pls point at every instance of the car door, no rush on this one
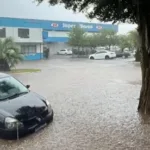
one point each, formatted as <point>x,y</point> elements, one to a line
<point>100,55</point>
<point>103,54</point>
<point>97,55</point>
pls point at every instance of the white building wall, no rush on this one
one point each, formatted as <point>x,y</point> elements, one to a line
<point>39,48</point>
<point>61,34</point>
<point>35,35</point>
<point>57,34</point>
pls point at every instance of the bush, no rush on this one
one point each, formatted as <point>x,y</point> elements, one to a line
<point>126,54</point>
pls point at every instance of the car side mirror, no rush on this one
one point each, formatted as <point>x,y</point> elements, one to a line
<point>27,86</point>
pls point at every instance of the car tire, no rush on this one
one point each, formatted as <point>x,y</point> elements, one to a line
<point>57,53</point>
<point>92,58</point>
<point>107,57</point>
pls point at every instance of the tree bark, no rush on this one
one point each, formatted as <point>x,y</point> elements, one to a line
<point>138,55</point>
<point>144,33</point>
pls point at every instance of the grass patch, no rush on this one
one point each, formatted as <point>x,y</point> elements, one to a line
<point>24,70</point>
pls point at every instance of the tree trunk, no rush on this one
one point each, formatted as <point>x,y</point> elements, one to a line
<point>78,50</point>
<point>4,65</point>
<point>137,55</point>
<point>144,33</point>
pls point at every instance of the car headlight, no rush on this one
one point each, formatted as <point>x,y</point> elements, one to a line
<point>12,123</point>
<point>47,102</point>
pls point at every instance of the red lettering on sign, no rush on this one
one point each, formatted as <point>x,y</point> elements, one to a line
<point>55,25</point>
<point>99,27</point>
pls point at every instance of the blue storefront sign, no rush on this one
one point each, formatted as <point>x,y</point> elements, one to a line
<point>54,25</point>
<point>89,27</point>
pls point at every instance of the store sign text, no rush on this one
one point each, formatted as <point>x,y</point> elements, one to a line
<point>67,25</point>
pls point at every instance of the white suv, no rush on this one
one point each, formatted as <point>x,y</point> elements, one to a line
<point>103,55</point>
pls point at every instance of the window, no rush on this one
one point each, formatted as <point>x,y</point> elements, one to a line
<point>2,33</point>
<point>23,33</point>
<point>28,49</point>
<point>102,52</point>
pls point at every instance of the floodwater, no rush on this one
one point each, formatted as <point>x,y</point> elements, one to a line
<point>95,105</point>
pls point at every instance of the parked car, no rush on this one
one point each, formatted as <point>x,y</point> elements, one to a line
<point>122,54</point>
<point>126,54</point>
<point>64,52</point>
<point>21,111</point>
<point>103,55</point>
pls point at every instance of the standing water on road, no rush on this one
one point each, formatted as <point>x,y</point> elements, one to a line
<point>95,105</point>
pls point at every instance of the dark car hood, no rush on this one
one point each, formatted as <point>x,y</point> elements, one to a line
<point>23,107</point>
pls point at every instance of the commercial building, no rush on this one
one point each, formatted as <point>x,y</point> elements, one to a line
<point>32,35</point>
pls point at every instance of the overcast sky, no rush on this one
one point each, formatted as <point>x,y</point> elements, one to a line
<point>29,9</point>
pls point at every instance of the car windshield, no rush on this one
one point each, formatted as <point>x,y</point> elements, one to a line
<point>9,87</point>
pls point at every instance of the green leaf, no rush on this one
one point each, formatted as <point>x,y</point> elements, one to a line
<point>9,52</point>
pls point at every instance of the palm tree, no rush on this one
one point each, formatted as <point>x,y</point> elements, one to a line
<point>9,54</point>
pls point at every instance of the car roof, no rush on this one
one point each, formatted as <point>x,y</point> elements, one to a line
<point>103,51</point>
<point>2,75</point>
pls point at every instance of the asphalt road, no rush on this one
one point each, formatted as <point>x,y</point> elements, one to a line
<point>95,105</point>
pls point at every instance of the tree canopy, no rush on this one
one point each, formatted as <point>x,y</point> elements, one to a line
<point>124,42</point>
<point>92,41</point>
<point>103,10</point>
<point>77,37</point>
<point>134,39</point>
<point>108,38</point>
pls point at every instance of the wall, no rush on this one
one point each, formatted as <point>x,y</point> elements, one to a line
<point>35,35</point>
<point>57,34</point>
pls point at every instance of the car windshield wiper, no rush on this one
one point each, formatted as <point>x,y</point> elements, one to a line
<point>14,95</point>
<point>17,95</point>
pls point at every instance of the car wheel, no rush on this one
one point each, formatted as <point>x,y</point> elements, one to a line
<point>92,57</point>
<point>57,53</point>
<point>107,57</point>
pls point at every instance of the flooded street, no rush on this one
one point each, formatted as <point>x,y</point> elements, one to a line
<point>95,105</point>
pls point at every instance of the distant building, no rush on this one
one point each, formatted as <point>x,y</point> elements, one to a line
<point>32,35</point>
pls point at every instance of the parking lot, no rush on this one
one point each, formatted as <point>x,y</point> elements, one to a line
<point>95,105</point>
